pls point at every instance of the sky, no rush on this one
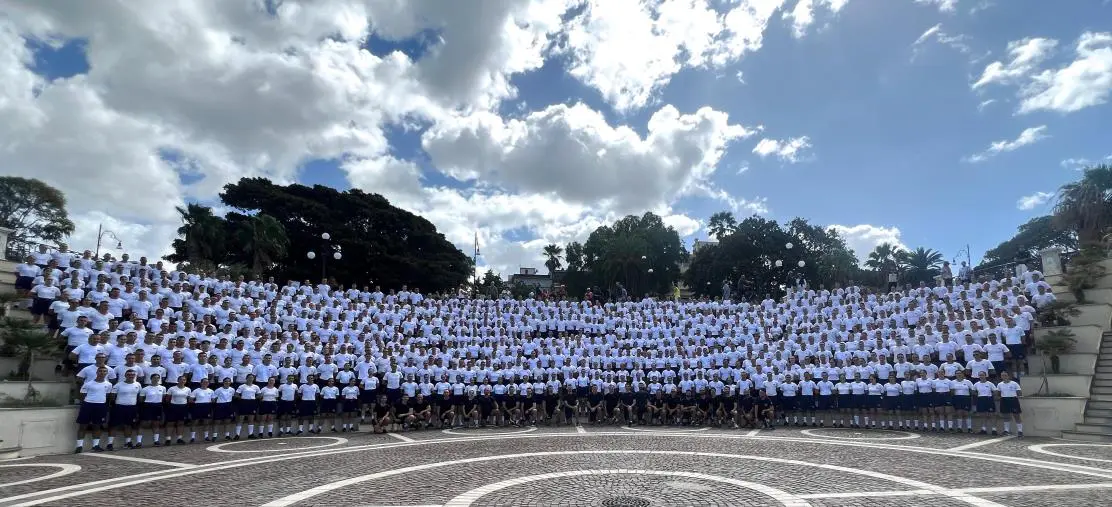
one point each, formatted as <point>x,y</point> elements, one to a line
<point>933,123</point>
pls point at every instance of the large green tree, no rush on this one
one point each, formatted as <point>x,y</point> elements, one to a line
<point>625,252</point>
<point>552,260</point>
<point>202,240</point>
<point>920,265</point>
<point>755,256</point>
<point>34,210</point>
<point>261,238</point>
<point>1086,205</point>
<point>1034,235</point>
<point>381,243</point>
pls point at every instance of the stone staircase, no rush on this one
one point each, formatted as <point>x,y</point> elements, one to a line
<point>1097,423</point>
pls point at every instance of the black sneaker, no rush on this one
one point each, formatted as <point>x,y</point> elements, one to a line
<point>1019,434</point>
<point>228,437</point>
<point>251,437</point>
<point>97,448</point>
<point>192,440</point>
<point>169,442</point>
<point>181,442</point>
<point>139,445</point>
<point>236,437</point>
<point>157,443</point>
<point>109,448</point>
<point>77,451</point>
<point>270,434</point>
<point>129,445</point>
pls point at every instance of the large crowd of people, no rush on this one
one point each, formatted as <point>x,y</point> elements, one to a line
<point>180,356</point>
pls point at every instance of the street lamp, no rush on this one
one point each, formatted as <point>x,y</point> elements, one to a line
<point>101,233</point>
<point>326,245</point>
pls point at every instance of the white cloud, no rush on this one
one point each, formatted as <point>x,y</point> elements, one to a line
<point>1084,82</point>
<point>863,238</point>
<point>935,33</point>
<point>985,103</point>
<point>232,91</point>
<point>629,49</point>
<point>802,15</point>
<point>791,150</point>
<point>1081,163</point>
<point>942,5</point>
<point>683,224</point>
<point>1028,136</point>
<point>1030,202</point>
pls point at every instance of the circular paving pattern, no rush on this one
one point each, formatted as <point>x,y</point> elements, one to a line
<point>25,473</point>
<point>276,444</point>
<point>858,434</point>
<point>589,467</point>
<point>665,429</point>
<point>484,431</point>
<point>1088,452</point>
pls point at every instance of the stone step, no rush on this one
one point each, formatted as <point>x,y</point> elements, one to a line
<point>1095,428</point>
<point>1096,391</point>
<point>1096,412</point>
<point>7,288</point>
<point>1100,398</point>
<point>1099,381</point>
<point>1101,421</point>
<point>19,313</point>
<point>1100,405</point>
<point>9,452</point>
<point>7,277</point>
<point>1087,436</point>
<point>1104,370</point>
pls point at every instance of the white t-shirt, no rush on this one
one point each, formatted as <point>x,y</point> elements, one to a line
<point>308,391</point>
<point>96,391</point>
<point>247,391</point>
<point>127,393</point>
<point>1009,389</point>
<point>202,395</point>
<point>154,394</point>
<point>179,395</point>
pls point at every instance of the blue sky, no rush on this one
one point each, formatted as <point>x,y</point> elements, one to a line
<point>891,124</point>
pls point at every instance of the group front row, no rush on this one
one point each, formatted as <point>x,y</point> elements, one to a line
<point>128,408</point>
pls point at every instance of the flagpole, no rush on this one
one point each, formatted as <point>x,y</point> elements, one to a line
<point>475,264</point>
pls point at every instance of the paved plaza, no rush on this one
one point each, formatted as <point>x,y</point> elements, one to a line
<point>580,466</point>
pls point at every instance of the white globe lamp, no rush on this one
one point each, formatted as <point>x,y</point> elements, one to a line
<point>337,256</point>
<point>789,246</point>
<point>778,263</point>
<point>311,255</point>
<point>801,264</point>
<point>325,236</point>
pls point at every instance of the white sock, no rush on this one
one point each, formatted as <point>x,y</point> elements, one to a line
<point>239,428</point>
<point>270,428</point>
<point>1019,427</point>
<point>300,427</point>
<point>206,434</point>
<point>1007,426</point>
<point>250,429</point>
<point>81,442</point>
<point>192,435</point>
<point>139,438</point>
<point>128,440</point>
<point>111,440</point>
<point>156,435</point>
<point>969,422</point>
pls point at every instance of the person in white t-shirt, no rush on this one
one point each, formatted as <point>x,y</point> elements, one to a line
<point>1009,392</point>
<point>124,417</point>
<point>177,410</point>
<point>200,410</point>
<point>43,295</point>
<point>984,393</point>
<point>93,413</point>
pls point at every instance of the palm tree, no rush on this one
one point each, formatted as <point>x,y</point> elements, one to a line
<point>921,265</point>
<point>884,257</point>
<point>263,239</point>
<point>552,253</point>
<point>1086,205</point>
<point>721,224</point>
<point>203,233</point>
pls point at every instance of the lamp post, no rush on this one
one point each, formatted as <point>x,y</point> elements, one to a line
<point>101,233</point>
<point>326,246</point>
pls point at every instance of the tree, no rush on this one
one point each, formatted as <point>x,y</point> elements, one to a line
<point>921,264</point>
<point>1037,234</point>
<point>721,224</point>
<point>491,284</point>
<point>1086,205</point>
<point>552,255</point>
<point>203,236</point>
<point>25,340</point>
<point>625,252</point>
<point>35,211</point>
<point>262,240</point>
<point>884,258</point>
<point>381,244</point>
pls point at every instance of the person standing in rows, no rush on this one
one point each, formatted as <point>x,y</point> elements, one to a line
<point>93,413</point>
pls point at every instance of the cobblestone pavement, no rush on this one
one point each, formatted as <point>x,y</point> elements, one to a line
<point>588,466</point>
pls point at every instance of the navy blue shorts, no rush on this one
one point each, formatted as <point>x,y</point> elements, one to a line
<point>891,403</point>
<point>1018,351</point>
<point>176,413</point>
<point>962,402</point>
<point>986,405</point>
<point>201,412</point>
<point>350,406</point>
<point>924,400</point>
<point>909,402</point>
<point>24,282</point>
<point>222,411</point>
<point>287,407</point>
<point>268,407</point>
<point>124,416</point>
<point>307,408</point>
<point>151,412</point>
<point>328,406</point>
<point>92,414</point>
<point>872,401</point>
<point>1010,406</point>
<point>246,407</point>
<point>788,403</point>
<point>825,402</point>
<point>806,402</point>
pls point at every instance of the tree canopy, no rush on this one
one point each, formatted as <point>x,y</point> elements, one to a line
<point>1034,235</point>
<point>753,255</point>
<point>641,253</point>
<point>34,210</point>
<point>276,226</point>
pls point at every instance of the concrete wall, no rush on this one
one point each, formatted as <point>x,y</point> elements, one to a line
<point>1094,315</point>
<point>40,368</point>
<point>1070,384</point>
<point>1088,337</point>
<point>1049,417</point>
<point>57,391</point>
<point>39,430</point>
<point>1084,364</point>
